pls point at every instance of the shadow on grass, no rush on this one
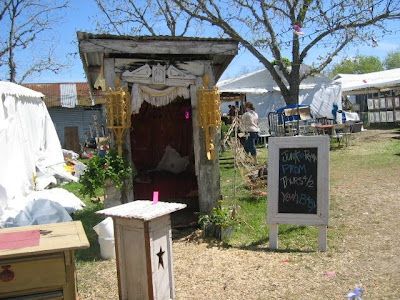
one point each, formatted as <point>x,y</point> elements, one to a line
<point>398,134</point>
<point>337,147</point>
<point>89,219</point>
<point>190,232</point>
<point>251,198</point>
<point>226,163</point>
<point>226,167</point>
<point>254,246</point>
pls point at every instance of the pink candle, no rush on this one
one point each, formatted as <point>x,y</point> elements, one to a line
<point>155,197</point>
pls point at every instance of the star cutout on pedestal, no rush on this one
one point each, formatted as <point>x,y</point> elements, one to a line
<point>160,258</point>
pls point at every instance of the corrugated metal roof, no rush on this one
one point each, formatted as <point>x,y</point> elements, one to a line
<point>53,95</point>
<point>86,35</point>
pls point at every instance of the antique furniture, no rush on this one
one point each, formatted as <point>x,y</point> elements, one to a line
<point>42,271</point>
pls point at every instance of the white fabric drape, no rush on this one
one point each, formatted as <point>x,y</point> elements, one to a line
<point>155,96</point>
<point>68,95</point>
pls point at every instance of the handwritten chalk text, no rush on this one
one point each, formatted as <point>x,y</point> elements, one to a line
<point>296,156</point>
<point>300,199</point>
<point>306,181</point>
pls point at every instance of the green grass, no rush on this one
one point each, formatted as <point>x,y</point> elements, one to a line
<point>252,230</point>
<point>89,218</point>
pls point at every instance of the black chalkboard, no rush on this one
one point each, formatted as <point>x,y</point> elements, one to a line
<point>298,180</point>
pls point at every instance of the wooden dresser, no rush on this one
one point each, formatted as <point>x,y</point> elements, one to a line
<point>45,271</point>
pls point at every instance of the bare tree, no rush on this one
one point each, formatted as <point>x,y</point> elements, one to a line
<point>153,17</point>
<point>268,29</point>
<point>4,5</point>
<point>23,23</point>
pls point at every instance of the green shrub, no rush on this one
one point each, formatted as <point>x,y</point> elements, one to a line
<point>100,169</point>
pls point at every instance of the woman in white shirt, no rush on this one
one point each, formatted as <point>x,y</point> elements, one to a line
<point>250,125</point>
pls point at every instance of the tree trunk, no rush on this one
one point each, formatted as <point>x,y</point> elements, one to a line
<point>293,96</point>
<point>11,62</point>
<point>294,86</point>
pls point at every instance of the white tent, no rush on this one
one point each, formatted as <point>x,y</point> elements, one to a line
<point>30,148</point>
<point>368,82</point>
<point>317,91</point>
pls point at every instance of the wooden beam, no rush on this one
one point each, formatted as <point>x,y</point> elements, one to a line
<point>109,73</point>
<point>158,47</point>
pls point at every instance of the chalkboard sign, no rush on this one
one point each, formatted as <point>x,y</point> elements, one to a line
<point>298,180</point>
<point>298,184</point>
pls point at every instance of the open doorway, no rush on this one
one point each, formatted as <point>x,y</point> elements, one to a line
<point>163,155</point>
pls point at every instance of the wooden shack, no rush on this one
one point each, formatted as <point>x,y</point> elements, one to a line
<point>163,75</point>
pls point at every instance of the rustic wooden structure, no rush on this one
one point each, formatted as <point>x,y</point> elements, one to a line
<point>164,75</point>
<point>143,247</point>
<point>44,271</point>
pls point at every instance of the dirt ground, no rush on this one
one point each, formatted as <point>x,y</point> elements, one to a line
<point>365,207</point>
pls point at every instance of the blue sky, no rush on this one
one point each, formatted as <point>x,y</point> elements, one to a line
<point>81,16</point>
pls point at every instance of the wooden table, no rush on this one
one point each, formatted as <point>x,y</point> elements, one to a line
<point>325,129</point>
<point>45,271</point>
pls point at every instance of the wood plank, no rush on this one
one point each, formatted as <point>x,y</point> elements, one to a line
<point>273,236</point>
<point>322,238</point>
<point>37,295</point>
<point>195,67</point>
<point>54,237</point>
<point>71,138</point>
<point>119,259</point>
<point>225,48</point>
<point>209,175</point>
<point>70,290</point>
<point>133,264</point>
<point>109,74</point>
<point>163,285</point>
<point>196,130</point>
<point>142,210</point>
<point>38,272</point>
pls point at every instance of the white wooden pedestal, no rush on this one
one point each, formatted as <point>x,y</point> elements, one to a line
<point>143,247</point>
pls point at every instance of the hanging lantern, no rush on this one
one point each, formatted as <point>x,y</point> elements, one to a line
<point>209,115</point>
<point>118,108</point>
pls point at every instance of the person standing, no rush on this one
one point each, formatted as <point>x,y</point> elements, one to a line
<point>250,126</point>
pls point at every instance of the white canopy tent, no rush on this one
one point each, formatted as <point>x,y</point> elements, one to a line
<point>259,87</point>
<point>369,82</point>
<point>30,151</point>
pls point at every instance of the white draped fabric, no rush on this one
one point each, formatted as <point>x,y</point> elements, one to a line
<point>156,96</point>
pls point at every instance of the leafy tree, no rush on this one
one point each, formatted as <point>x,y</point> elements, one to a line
<point>358,65</point>
<point>271,30</point>
<point>392,60</point>
<point>24,24</point>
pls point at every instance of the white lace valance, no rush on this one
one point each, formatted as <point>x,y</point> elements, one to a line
<point>155,96</point>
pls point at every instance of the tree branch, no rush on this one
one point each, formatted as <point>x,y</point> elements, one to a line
<point>105,12</point>
<point>340,27</point>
